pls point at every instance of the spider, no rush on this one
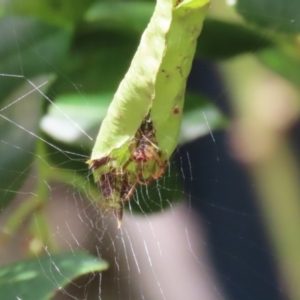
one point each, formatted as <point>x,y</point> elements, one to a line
<point>144,149</point>
<point>118,184</point>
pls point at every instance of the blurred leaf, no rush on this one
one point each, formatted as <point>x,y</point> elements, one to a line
<point>28,48</point>
<point>121,15</point>
<point>222,40</point>
<point>75,116</point>
<point>40,278</point>
<point>68,158</point>
<point>97,62</point>
<point>278,15</point>
<point>18,135</point>
<point>57,12</point>
<point>102,48</point>
<point>285,61</point>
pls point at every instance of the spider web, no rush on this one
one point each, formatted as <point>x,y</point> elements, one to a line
<point>164,255</point>
<point>140,253</point>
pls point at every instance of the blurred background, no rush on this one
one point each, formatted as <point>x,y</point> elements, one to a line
<point>223,222</point>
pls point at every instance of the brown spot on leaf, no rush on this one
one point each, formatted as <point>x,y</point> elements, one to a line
<point>167,75</point>
<point>176,110</point>
<point>177,2</point>
<point>180,70</point>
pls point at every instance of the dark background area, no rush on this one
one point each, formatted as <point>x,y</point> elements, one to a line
<point>221,193</point>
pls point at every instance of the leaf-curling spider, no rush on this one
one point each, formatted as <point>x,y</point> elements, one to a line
<point>144,164</point>
<point>144,152</point>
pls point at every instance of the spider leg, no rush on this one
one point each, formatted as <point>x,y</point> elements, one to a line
<point>145,182</point>
<point>159,173</point>
<point>152,176</point>
<point>129,193</point>
<point>162,166</point>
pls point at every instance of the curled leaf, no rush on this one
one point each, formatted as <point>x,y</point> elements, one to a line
<point>140,131</point>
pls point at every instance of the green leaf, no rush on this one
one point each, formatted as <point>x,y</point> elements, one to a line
<point>284,61</point>
<point>27,48</point>
<point>53,11</point>
<point>18,134</point>
<point>40,278</point>
<point>74,118</point>
<point>121,15</point>
<point>278,15</point>
<point>155,87</point>
<point>222,40</point>
<point>97,61</point>
<point>147,107</point>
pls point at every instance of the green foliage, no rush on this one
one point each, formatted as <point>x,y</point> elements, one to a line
<point>275,15</point>
<point>34,278</point>
<point>16,164</point>
<point>24,50</point>
<point>223,40</point>
<point>64,13</point>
